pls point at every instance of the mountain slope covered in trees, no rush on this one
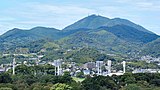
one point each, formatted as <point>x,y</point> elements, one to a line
<point>117,36</point>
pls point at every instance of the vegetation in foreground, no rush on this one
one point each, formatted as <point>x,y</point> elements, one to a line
<point>43,78</point>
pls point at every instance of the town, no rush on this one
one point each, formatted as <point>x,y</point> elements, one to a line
<point>92,68</point>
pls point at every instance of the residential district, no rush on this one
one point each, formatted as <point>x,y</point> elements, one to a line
<point>89,68</point>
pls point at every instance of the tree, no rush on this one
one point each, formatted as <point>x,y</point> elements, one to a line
<point>5,88</point>
<point>155,82</point>
<point>132,87</point>
<point>80,74</point>
<point>66,78</point>
<point>60,86</point>
<point>98,82</point>
<point>5,78</point>
<point>23,69</point>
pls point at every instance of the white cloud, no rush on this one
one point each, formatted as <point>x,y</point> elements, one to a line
<point>3,18</point>
<point>60,9</point>
<point>31,14</point>
<point>148,6</point>
<point>38,14</point>
<point>6,26</point>
<point>152,5</point>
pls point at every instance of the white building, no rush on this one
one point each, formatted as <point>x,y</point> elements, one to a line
<point>99,65</point>
<point>58,66</point>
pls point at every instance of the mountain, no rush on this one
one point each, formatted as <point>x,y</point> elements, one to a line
<point>17,37</point>
<point>96,21</point>
<point>130,34</point>
<point>34,33</point>
<point>117,36</point>
<point>100,39</point>
<point>119,21</point>
<point>152,48</point>
<point>112,35</point>
<point>90,22</point>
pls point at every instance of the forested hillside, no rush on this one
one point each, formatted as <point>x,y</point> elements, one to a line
<point>112,36</point>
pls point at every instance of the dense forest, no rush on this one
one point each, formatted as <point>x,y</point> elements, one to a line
<point>43,78</point>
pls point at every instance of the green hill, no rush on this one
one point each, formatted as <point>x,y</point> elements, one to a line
<point>116,36</point>
<point>152,48</point>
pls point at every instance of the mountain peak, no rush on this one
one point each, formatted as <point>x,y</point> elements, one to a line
<point>15,29</point>
<point>95,21</point>
<point>90,22</point>
<point>120,21</point>
<point>40,27</point>
<point>93,15</point>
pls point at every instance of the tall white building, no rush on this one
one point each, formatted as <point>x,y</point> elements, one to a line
<point>99,65</point>
<point>58,66</point>
<point>109,66</point>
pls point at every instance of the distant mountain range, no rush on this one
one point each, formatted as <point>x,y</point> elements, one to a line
<point>117,36</point>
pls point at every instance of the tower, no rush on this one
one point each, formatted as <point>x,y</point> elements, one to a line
<point>37,61</point>
<point>109,66</point>
<point>124,66</point>
<point>57,64</point>
<point>13,64</point>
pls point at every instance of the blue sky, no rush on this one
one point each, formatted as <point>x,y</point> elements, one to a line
<point>26,14</point>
